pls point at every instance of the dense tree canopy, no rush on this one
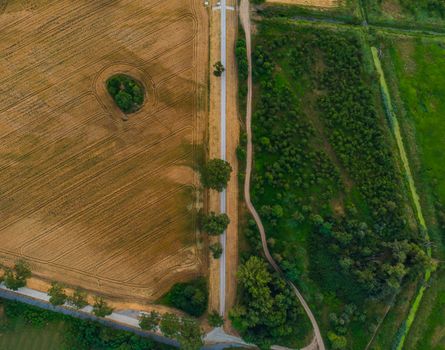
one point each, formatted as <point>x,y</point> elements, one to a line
<point>190,297</point>
<point>126,92</point>
<point>216,174</point>
<point>214,224</point>
<point>269,310</point>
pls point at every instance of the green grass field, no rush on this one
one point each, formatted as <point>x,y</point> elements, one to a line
<point>429,14</point>
<point>415,69</point>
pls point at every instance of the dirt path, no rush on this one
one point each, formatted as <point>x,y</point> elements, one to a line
<point>245,21</point>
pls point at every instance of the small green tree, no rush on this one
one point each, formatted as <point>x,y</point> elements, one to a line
<point>101,308</point>
<point>16,278</point>
<point>170,325</point>
<point>216,174</point>
<point>215,319</point>
<point>216,250</point>
<point>57,294</point>
<point>218,69</point>
<point>78,299</point>
<point>214,224</point>
<point>150,322</point>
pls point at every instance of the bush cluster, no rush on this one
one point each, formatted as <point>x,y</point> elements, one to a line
<point>126,92</point>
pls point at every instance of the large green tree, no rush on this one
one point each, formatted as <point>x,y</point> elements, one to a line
<point>214,224</point>
<point>216,174</point>
<point>268,310</point>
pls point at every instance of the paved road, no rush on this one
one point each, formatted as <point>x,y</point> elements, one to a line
<point>245,21</point>
<point>223,196</point>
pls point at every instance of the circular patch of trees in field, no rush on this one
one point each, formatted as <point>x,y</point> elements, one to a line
<point>127,92</point>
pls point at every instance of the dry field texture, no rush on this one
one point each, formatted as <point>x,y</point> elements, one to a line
<point>312,3</point>
<point>87,198</point>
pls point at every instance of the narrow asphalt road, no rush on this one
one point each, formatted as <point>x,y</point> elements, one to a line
<point>223,196</point>
<point>245,21</point>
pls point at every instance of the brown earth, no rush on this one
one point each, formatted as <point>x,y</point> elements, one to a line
<point>312,3</point>
<point>89,199</point>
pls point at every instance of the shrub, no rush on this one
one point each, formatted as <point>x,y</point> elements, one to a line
<point>219,69</point>
<point>215,319</point>
<point>216,250</point>
<point>150,322</point>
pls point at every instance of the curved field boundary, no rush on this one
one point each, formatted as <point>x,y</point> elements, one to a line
<point>161,29</point>
<point>185,101</point>
<point>245,21</point>
<point>406,325</point>
<point>140,74</point>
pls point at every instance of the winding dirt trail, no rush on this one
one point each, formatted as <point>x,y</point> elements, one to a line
<point>245,21</point>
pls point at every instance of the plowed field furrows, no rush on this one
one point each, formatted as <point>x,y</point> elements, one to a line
<point>87,198</point>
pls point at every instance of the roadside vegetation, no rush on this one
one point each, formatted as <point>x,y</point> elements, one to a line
<point>216,174</point>
<point>190,297</point>
<point>36,328</point>
<point>327,182</point>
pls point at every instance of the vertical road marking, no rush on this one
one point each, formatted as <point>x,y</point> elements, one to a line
<point>223,196</point>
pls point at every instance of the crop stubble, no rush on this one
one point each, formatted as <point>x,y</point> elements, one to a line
<point>87,198</point>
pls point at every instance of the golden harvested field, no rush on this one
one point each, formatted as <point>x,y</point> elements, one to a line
<point>87,198</point>
<point>313,3</point>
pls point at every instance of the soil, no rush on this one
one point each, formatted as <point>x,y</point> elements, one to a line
<point>88,199</point>
<point>312,3</point>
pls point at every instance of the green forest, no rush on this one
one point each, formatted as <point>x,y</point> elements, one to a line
<point>326,181</point>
